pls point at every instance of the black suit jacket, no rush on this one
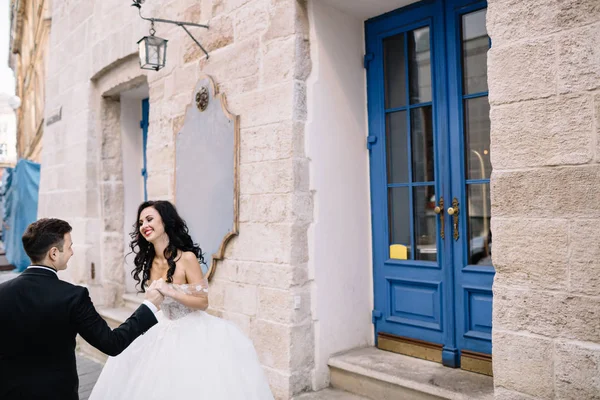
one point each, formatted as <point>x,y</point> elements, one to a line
<point>40,316</point>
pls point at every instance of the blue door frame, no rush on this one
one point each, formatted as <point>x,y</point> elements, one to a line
<point>144,123</point>
<point>444,301</point>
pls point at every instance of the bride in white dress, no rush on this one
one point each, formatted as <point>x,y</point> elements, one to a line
<point>189,354</point>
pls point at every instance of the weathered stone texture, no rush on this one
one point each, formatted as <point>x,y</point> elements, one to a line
<point>549,192</point>
<point>532,69</point>
<point>550,314</point>
<point>535,357</point>
<point>544,241</point>
<point>556,131</point>
<point>579,59</point>
<point>577,370</point>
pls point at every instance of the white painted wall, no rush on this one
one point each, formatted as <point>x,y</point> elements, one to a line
<point>133,183</point>
<point>340,237</point>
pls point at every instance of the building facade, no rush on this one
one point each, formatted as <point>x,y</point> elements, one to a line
<point>30,31</point>
<point>382,145</point>
<point>8,131</point>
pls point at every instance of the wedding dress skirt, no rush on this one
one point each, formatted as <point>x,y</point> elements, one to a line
<point>189,354</point>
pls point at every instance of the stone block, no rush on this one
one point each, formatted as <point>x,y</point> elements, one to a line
<point>279,381</point>
<point>280,305</point>
<point>299,251</point>
<point>279,60</point>
<point>533,374</point>
<point>551,192</point>
<point>554,131</point>
<point>269,243</point>
<point>302,174</point>
<point>226,6</point>
<point>242,321</point>
<point>268,177</point>
<point>302,207</point>
<point>235,62</point>
<point>112,206</point>
<point>266,106</point>
<point>579,59</point>
<point>161,159</point>
<point>216,293</point>
<point>532,67</point>
<point>510,20</point>
<point>112,259</point>
<point>531,252</point>
<point>265,208</point>
<point>584,239</point>
<point>273,344</point>
<point>552,314</point>
<point>239,86</point>
<point>584,278</point>
<point>251,20</point>
<point>159,186</point>
<point>300,102</point>
<point>577,370</point>
<point>268,142</point>
<point>219,35</point>
<point>282,20</point>
<point>278,276</point>
<point>241,299</point>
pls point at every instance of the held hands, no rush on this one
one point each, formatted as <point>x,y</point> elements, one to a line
<point>154,296</point>
<point>164,288</point>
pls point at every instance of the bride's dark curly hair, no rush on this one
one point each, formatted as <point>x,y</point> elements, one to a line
<point>179,239</point>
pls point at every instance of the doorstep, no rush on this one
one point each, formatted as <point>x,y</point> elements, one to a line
<point>381,375</point>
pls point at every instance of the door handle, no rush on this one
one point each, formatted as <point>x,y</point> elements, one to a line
<point>454,211</point>
<point>439,210</point>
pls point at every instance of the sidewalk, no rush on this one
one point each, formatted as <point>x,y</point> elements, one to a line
<point>88,371</point>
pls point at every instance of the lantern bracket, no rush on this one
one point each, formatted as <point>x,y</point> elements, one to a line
<point>182,24</point>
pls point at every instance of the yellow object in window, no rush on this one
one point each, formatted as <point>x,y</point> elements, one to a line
<point>398,252</point>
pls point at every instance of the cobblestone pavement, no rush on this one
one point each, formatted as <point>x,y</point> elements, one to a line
<point>89,371</point>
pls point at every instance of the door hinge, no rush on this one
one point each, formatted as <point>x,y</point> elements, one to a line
<point>367,59</point>
<point>144,172</point>
<point>371,140</point>
<point>375,315</point>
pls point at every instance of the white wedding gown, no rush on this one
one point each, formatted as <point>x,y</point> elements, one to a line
<point>189,354</point>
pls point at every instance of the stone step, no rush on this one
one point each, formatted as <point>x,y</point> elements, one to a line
<point>329,394</point>
<point>382,375</point>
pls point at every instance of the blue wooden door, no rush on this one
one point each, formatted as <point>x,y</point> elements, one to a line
<point>430,169</point>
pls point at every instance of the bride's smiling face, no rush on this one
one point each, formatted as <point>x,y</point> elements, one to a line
<point>151,224</point>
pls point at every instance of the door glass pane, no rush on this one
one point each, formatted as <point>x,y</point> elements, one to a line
<point>394,65</point>
<point>419,58</point>
<point>478,221</point>
<point>422,144</point>
<point>475,44</point>
<point>425,223</point>
<point>397,147</point>
<point>399,223</point>
<point>477,138</point>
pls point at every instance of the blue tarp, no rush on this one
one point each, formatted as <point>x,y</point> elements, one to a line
<point>20,189</point>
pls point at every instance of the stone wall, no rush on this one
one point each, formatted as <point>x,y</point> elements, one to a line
<point>544,80</point>
<point>259,57</point>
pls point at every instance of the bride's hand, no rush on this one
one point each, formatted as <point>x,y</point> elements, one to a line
<point>165,289</point>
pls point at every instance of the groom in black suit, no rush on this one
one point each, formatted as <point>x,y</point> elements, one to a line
<point>40,316</point>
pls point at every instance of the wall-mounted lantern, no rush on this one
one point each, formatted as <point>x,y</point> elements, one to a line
<point>153,49</point>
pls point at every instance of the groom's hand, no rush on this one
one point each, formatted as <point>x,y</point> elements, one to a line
<point>154,296</point>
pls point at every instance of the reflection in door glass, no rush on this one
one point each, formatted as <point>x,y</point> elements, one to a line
<point>422,144</point>
<point>394,70</point>
<point>477,138</point>
<point>397,147</point>
<point>399,223</point>
<point>425,223</point>
<point>478,220</point>
<point>419,58</point>
<point>475,45</point>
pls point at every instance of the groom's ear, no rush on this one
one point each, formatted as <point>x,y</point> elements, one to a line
<point>53,253</point>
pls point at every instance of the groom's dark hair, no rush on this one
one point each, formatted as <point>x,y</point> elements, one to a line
<point>42,235</point>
